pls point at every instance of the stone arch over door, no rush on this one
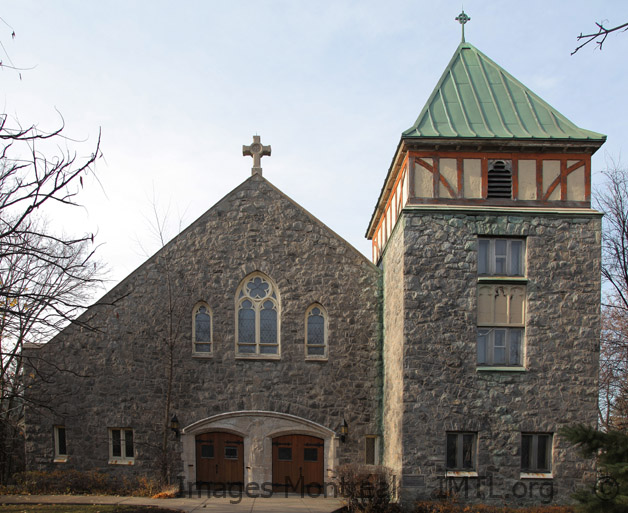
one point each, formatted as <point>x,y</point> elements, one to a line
<point>257,428</point>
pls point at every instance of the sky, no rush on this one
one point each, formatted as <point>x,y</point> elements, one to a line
<point>176,89</point>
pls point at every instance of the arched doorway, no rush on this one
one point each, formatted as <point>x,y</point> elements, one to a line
<point>257,430</point>
<point>219,459</point>
<point>298,464</point>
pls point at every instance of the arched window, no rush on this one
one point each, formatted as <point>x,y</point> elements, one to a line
<point>499,179</point>
<point>202,330</point>
<point>257,317</point>
<point>316,332</point>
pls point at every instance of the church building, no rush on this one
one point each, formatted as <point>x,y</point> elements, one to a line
<point>258,346</point>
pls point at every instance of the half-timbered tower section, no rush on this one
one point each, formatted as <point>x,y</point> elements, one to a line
<point>491,261</point>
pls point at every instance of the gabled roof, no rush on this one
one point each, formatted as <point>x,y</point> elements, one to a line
<point>476,98</point>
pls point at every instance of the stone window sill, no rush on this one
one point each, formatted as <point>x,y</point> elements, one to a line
<point>501,369</point>
<point>121,462</point>
<point>461,473</point>
<point>60,459</point>
<point>316,358</point>
<point>202,355</point>
<point>502,279</point>
<point>258,357</point>
<point>536,475</point>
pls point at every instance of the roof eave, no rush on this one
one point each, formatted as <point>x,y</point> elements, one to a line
<point>566,145</point>
<point>387,185</point>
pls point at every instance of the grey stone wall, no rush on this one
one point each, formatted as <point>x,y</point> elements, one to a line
<point>394,313</point>
<point>442,389</point>
<point>116,376</point>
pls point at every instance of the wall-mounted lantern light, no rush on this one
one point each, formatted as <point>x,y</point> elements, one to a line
<point>174,425</point>
<point>344,431</point>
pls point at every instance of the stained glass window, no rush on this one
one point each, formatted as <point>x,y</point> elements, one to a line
<point>202,329</point>
<point>257,317</point>
<point>316,332</point>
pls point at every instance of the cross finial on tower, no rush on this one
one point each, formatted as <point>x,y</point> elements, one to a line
<point>462,18</point>
<point>257,151</point>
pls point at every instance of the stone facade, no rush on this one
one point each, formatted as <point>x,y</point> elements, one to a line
<point>443,388</point>
<point>117,376</point>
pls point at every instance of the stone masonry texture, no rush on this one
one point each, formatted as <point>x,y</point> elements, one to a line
<point>442,389</point>
<point>116,375</point>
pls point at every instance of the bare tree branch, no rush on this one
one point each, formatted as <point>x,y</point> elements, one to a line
<point>46,276</point>
<point>612,199</point>
<point>600,36</point>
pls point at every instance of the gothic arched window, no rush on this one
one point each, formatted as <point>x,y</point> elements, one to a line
<point>257,317</point>
<point>202,330</point>
<point>316,332</point>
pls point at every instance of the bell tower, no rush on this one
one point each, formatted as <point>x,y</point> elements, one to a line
<point>490,254</point>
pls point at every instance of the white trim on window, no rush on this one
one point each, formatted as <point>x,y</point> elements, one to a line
<point>204,347</point>
<point>316,319</point>
<point>121,446</point>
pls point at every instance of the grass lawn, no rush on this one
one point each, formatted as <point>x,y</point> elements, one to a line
<point>81,508</point>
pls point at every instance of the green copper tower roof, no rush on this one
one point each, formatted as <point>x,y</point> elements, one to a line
<point>477,99</point>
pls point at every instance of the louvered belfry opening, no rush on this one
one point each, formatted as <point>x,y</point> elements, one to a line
<point>499,179</point>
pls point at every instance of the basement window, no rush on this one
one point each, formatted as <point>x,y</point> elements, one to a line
<point>121,448</point>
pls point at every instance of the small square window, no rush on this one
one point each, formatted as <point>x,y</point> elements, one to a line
<point>501,257</point>
<point>284,453</point>
<point>536,452</point>
<point>121,446</point>
<point>231,453</point>
<point>310,454</point>
<point>500,347</point>
<point>207,451</point>
<point>461,450</point>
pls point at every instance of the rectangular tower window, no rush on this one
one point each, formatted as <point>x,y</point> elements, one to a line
<point>461,448</point>
<point>501,302</point>
<point>536,452</point>
<point>501,257</point>
<point>500,346</point>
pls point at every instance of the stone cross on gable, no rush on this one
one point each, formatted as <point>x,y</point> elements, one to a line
<point>257,151</point>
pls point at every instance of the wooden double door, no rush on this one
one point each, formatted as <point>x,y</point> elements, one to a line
<point>298,464</point>
<point>219,459</point>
